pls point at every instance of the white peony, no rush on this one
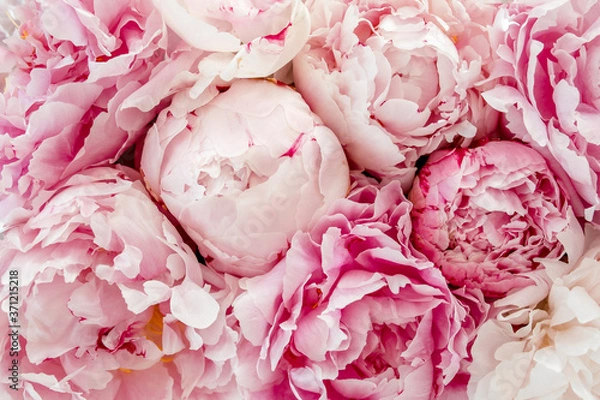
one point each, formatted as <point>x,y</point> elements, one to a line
<point>550,350</point>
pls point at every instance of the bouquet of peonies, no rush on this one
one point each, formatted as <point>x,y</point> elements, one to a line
<point>300,199</point>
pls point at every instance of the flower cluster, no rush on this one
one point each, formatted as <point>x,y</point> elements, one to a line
<point>299,199</point>
<point>111,292</point>
<point>351,310</point>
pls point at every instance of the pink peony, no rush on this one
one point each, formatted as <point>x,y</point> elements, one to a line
<point>75,64</point>
<point>112,303</point>
<point>214,42</point>
<point>551,349</point>
<point>549,56</point>
<point>246,39</point>
<point>350,312</point>
<point>395,81</point>
<point>244,172</point>
<point>483,215</point>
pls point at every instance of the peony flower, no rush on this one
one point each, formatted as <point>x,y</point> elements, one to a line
<point>395,81</point>
<point>483,215</point>
<point>244,172</point>
<point>550,350</point>
<point>549,55</point>
<point>207,366</point>
<point>75,64</point>
<point>352,312</point>
<point>111,301</point>
<point>214,43</point>
<point>246,39</point>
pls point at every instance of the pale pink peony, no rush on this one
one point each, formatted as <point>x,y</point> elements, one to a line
<point>246,39</point>
<point>549,57</point>
<point>394,80</point>
<point>551,349</point>
<point>75,64</point>
<point>483,215</point>
<point>112,303</point>
<point>213,42</point>
<point>351,312</point>
<point>244,172</point>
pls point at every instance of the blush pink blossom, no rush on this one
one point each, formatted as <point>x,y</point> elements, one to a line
<point>394,80</point>
<point>73,64</point>
<point>548,57</point>
<point>483,215</point>
<point>244,172</point>
<point>351,312</point>
<point>111,301</point>
<point>246,39</point>
<point>213,42</point>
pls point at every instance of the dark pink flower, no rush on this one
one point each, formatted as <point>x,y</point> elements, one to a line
<point>351,313</point>
<point>483,215</point>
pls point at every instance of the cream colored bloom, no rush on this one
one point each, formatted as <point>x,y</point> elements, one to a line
<point>551,350</point>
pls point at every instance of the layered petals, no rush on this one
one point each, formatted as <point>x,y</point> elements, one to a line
<point>483,215</point>
<point>395,81</point>
<point>351,312</point>
<point>72,65</point>
<point>244,172</point>
<point>246,39</point>
<point>108,293</point>
<point>548,58</point>
<point>548,349</point>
